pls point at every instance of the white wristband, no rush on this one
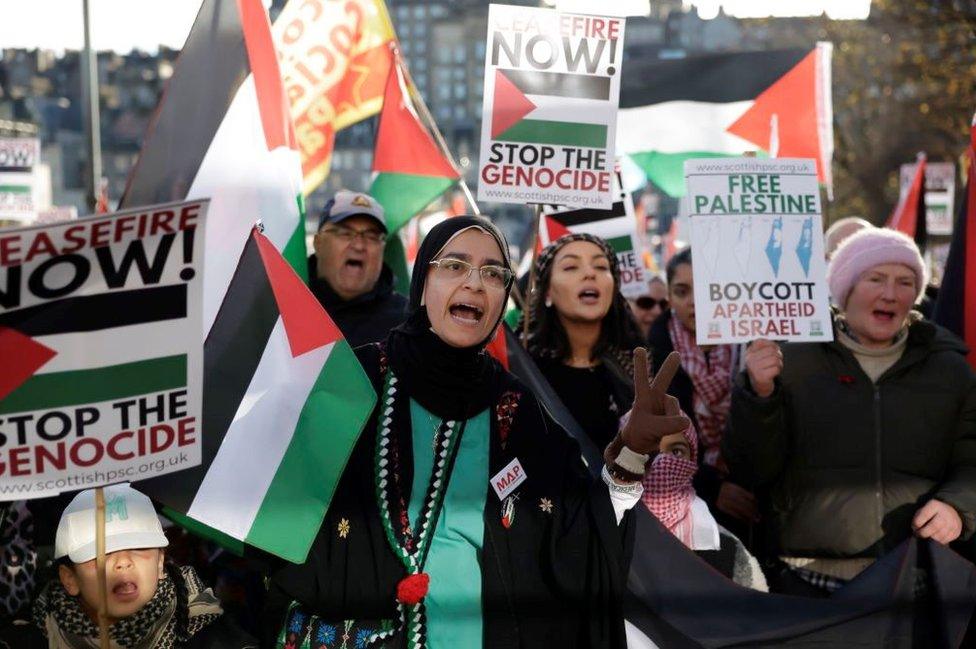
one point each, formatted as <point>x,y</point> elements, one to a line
<point>630,461</point>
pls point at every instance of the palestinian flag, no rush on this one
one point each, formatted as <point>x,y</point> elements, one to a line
<point>69,352</point>
<point>529,106</point>
<point>719,105</point>
<point>411,171</point>
<point>908,216</point>
<point>955,308</point>
<point>222,131</point>
<point>284,402</point>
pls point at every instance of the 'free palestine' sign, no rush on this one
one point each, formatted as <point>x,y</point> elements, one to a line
<point>757,250</point>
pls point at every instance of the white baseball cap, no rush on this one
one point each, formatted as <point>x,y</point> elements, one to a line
<point>130,523</point>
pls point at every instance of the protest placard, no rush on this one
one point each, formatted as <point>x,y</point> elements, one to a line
<point>334,59</point>
<point>757,250</point>
<point>552,82</point>
<point>102,343</point>
<point>618,226</point>
<point>18,182</point>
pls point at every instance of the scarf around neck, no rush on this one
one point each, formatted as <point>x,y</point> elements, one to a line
<point>711,377</point>
<point>62,620</point>
<point>668,491</point>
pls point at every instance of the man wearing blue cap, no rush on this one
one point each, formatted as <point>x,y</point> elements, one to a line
<point>346,272</point>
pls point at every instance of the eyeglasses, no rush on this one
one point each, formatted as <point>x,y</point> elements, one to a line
<point>371,237</point>
<point>493,276</point>
<point>647,303</point>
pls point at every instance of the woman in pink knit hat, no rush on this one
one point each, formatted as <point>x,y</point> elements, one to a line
<point>865,440</point>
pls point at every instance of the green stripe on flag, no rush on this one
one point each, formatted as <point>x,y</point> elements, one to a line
<point>621,244</point>
<point>403,196</point>
<point>16,189</point>
<point>667,170</point>
<point>76,387</point>
<point>395,257</point>
<point>295,252</point>
<point>538,131</point>
<point>333,416</point>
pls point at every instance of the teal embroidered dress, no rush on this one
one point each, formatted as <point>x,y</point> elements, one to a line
<point>454,600</point>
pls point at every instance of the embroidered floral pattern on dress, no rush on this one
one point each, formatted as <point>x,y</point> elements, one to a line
<point>303,630</point>
<point>505,414</point>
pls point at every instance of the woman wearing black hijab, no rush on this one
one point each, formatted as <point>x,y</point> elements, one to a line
<point>465,517</point>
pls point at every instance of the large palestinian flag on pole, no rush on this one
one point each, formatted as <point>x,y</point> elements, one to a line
<point>284,402</point>
<point>222,131</point>
<point>411,170</point>
<point>716,105</point>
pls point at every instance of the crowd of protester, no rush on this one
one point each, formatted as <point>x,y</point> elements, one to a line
<point>789,468</point>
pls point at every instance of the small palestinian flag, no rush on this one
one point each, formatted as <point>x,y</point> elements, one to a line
<point>718,105</point>
<point>411,171</point>
<point>284,402</point>
<point>529,106</point>
<point>222,131</point>
<point>908,216</point>
<point>955,308</point>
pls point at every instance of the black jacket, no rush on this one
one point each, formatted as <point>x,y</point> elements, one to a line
<point>367,318</point>
<point>849,462</point>
<point>554,578</point>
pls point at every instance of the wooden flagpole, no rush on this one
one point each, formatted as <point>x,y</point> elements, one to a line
<point>100,567</point>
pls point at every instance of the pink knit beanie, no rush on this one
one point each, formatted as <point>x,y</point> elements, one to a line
<point>866,249</point>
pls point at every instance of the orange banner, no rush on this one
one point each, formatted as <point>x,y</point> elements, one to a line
<point>334,59</point>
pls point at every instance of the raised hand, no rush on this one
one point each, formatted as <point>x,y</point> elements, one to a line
<point>655,413</point>
<point>764,362</point>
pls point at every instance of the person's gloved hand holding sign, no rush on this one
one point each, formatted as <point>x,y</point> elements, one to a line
<point>654,414</point>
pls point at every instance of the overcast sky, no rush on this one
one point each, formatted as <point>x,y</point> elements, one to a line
<point>119,25</point>
<point>122,25</point>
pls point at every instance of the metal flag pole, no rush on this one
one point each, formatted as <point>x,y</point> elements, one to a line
<point>90,113</point>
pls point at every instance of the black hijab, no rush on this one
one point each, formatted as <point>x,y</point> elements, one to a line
<point>450,382</point>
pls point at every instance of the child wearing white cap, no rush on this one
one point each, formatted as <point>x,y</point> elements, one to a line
<point>152,604</point>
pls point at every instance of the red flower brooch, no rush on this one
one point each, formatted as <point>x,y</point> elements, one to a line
<point>413,588</point>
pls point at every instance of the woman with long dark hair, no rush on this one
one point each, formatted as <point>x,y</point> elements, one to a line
<point>582,334</point>
<point>465,516</point>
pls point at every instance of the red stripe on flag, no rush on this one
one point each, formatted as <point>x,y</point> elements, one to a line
<point>403,144</point>
<point>498,347</point>
<point>22,356</point>
<point>905,217</point>
<point>307,324</point>
<point>792,99</point>
<point>261,56</point>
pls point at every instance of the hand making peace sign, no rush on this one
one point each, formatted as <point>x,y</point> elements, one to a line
<point>654,414</point>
